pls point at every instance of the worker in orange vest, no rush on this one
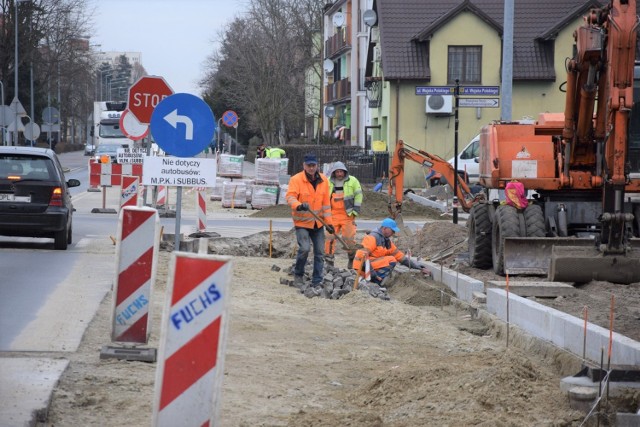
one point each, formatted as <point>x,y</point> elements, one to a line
<point>309,192</point>
<point>346,199</point>
<point>383,253</point>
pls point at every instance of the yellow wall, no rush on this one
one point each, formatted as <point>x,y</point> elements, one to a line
<point>436,134</point>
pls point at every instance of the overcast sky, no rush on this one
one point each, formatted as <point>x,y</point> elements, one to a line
<point>174,36</point>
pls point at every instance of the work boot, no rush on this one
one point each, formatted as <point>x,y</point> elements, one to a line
<point>350,262</point>
<point>329,260</point>
<point>298,281</point>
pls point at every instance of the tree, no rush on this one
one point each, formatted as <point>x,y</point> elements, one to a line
<point>260,66</point>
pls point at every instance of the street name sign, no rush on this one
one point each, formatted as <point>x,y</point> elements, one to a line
<point>464,90</point>
<point>479,102</point>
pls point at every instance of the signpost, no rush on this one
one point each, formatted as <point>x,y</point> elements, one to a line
<point>145,95</point>
<point>480,102</point>
<point>464,90</point>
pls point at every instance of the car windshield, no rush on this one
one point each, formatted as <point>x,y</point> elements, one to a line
<point>25,167</point>
<point>107,149</point>
<point>110,130</point>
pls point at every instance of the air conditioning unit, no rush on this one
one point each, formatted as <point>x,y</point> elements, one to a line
<point>375,35</point>
<point>376,54</point>
<point>440,104</point>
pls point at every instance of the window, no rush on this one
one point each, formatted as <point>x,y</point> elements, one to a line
<point>465,64</point>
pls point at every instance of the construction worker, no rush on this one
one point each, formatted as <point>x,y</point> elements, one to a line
<point>261,151</point>
<point>275,153</point>
<point>308,195</point>
<point>383,253</point>
<point>346,199</point>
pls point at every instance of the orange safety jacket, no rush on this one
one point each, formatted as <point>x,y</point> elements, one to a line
<point>382,251</point>
<point>301,191</point>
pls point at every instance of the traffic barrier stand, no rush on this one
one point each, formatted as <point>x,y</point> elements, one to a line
<point>201,205</point>
<point>136,259</point>
<point>188,387</point>
<point>162,196</point>
<point>129,191</point>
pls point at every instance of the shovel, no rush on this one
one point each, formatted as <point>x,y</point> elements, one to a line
<point>344,244</point>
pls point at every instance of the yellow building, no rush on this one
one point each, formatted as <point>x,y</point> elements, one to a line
<point>416,46</point>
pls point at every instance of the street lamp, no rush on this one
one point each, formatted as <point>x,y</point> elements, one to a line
<point>15,83</point>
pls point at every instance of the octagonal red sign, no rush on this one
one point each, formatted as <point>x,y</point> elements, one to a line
<point>145,94</point>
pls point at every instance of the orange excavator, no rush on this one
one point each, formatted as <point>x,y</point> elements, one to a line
<point>583,222</point>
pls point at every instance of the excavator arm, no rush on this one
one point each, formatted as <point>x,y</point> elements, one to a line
<point>438,164</point>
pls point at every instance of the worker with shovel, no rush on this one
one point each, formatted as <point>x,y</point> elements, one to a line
<point>383,253</point>
<point>308,197</point>
<point>346,199</point>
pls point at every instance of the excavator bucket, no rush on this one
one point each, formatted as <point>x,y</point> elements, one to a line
<point>404,230</point>
<point>583,264</point>
<point>532,255</point>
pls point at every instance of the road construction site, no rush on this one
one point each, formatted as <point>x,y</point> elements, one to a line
<point>436,352</point>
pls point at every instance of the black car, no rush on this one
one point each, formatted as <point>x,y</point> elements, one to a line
<point>34,195</point>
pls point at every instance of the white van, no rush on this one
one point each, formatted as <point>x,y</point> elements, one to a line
<point>468,160</point>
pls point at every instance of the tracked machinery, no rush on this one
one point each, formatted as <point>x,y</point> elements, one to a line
<point>583,222</point>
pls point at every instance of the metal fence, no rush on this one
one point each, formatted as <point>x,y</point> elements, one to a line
<point>369,167</point>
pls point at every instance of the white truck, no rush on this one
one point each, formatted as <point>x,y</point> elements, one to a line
<point>106,135</point>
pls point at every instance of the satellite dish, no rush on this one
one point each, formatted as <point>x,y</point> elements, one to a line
<point>328,65</point>
<point>338,19</point>
<point>330,111</point>
<point>370,17</point>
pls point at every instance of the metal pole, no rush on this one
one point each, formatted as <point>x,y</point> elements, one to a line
<point>31,106</point>
<point>455,154</point>
<point>507,61</point>
<point>15,78</point>
<point>4,124</point>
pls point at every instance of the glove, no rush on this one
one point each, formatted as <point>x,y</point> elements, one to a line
<point>303,207</point>
<point>330,229</point>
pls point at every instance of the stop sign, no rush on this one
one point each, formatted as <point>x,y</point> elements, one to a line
<point>145,94</point>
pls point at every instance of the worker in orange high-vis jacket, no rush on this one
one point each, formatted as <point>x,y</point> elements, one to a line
<point>383,253</point>
<point>309,191</point>
<point>346,199</point>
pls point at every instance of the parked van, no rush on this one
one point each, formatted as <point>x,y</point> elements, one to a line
<point>468,160</point>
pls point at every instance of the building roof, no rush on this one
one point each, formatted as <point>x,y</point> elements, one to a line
<point>406,26</point>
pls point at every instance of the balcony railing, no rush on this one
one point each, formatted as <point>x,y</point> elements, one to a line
<point>337,91</point>
<point>338,43</point>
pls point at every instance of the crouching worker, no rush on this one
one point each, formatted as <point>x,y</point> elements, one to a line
<point>383,253</point>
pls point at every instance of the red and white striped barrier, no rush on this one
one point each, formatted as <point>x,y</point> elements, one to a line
<point>136,258</point>
<point>110,174</point>
<point>162,195</point>
<point>201,205</point>
<point>129,191</point>
<point>192,344</point>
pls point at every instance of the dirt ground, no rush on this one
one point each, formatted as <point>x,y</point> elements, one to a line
<point>416,360</point>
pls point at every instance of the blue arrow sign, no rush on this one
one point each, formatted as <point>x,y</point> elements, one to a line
<point>182,125</point>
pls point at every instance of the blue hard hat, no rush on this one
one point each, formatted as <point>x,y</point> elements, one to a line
<point>390,223</point>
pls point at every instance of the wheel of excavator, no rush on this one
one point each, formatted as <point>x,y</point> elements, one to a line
<point>480,236</point>
<point>505,224</point>
<point>534,220</point>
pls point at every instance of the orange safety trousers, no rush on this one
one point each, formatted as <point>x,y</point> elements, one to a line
<point>346,230</point>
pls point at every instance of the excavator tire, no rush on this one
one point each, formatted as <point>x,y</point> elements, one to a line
<point>534,220</point>
<point>505,224</point>
<point>480,236</point>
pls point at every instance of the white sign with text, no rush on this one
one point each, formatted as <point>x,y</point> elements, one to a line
<point>179,171</point>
